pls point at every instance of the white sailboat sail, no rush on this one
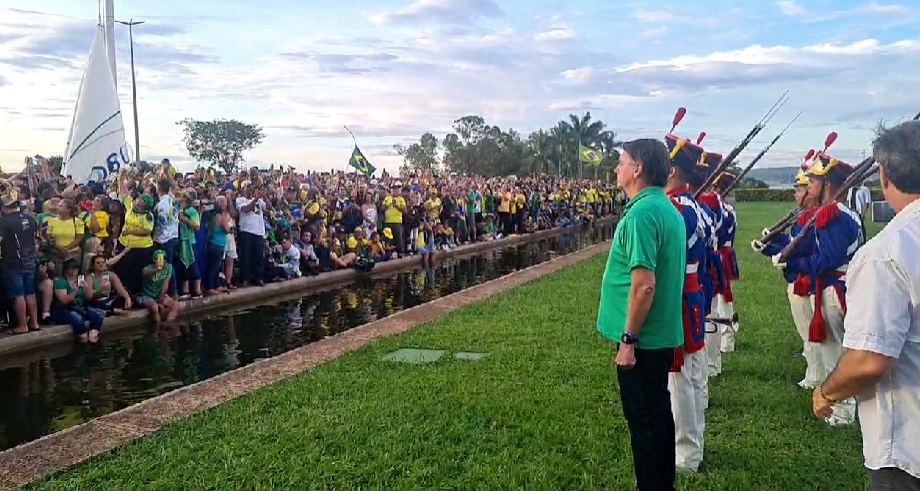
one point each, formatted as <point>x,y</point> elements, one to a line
<point>96,149</point>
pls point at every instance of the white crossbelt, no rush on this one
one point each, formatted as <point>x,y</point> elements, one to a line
<point>693,268</point>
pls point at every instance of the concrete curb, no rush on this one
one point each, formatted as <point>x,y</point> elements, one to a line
<point>53,453</point>
<point>243,297</point>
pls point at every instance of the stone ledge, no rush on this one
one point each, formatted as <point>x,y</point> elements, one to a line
<point>53,453</point>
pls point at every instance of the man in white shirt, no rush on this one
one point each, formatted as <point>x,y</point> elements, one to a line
<point>251,243</point>
<point>881,364</point>
<point>166,228</point>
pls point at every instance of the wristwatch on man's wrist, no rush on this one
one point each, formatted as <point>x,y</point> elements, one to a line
<point>629,338</point>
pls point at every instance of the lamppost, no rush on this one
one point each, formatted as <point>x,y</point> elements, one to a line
<point>137,137</point>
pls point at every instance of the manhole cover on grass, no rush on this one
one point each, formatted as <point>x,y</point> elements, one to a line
<point>470,356</point>
<point>414,355</point>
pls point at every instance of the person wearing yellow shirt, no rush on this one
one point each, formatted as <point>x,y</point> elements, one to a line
<point>433,205</point>
<point>64,234</point>
<point>137,237</point>
<point>504,209</point>
<point>96,222</point>
<point>520,209</point>
<point>394,206</point>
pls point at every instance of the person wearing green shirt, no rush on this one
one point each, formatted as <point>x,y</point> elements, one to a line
<point>189,223</point>
<point>70,294</point>
<point>641,307</point>
<point>153,297</point>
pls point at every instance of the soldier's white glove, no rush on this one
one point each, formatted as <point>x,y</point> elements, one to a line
<point>765,232</point>
<point>757,245</point>
<point>777,263</point>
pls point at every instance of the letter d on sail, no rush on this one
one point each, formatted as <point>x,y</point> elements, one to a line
<point>96,148</point>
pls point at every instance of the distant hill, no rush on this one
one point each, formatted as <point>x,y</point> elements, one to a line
<point>775,176</point>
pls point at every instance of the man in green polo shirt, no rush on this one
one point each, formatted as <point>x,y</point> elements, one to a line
<point>640,307</point>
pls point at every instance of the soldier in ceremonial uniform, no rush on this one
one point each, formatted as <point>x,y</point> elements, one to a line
<point>715,318</point>
<point>726,243</point>
<point>800,289</point>
<point>837,236</point>
<point>687,381</point>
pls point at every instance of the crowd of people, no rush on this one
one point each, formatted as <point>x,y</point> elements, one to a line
<point>666,300</point>
<point>73,253</point>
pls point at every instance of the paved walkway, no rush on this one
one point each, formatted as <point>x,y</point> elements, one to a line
<point>34,460</point>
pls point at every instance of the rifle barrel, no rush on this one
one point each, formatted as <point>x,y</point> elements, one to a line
<point>782,225</point>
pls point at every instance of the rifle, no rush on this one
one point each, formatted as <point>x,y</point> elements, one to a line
<point>861,172</point>
<point>790,217</point>
<point>727,161</point>
<point>759,156</point>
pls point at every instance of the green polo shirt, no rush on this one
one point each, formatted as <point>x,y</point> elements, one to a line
<point>650,235</point>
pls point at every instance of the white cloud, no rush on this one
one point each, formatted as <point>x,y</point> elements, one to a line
<point>440,11</point>
<point>392,84</point>
<point>556,34</point>
<point>792,9</point>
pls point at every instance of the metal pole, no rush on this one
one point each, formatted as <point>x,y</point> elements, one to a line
<point>137,135</point>
<point>109,26</point>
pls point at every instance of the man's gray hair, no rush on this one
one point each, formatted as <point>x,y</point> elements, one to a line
<point>898,149</point>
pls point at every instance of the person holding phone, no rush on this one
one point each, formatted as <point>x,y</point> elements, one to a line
<point>71,295</point>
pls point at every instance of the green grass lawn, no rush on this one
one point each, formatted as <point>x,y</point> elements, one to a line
<point>540,412</point>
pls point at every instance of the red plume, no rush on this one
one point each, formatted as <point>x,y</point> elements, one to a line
<point>809,155</point>
<point>831,138</point>
<point>679,115</point>
<point>699,139</point>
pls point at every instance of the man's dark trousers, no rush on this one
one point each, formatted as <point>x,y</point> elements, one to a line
<point>647,408</point>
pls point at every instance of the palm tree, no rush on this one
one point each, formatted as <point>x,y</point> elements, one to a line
<point>540,144</point>
<point>608,143</point>
<point>583,131</point>
<point>560,135</point>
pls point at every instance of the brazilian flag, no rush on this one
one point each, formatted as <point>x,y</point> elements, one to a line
<point>588,155</point>
<point>360,163</point>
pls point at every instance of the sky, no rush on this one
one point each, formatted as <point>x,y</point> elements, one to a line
<point>394,69</point>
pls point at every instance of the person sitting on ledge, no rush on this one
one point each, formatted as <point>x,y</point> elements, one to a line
<point>71,294</point>
<point>153,295</point>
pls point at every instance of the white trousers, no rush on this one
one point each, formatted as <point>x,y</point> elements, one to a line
<point>714,339</point>
<point>687,392</point>
<point>728,331</point>
<point>829,351</point>
<point>802,312</point>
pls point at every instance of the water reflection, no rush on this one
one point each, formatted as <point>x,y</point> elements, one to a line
<point>48,395</point>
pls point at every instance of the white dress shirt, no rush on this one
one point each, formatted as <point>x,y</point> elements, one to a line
<point>883,316</point>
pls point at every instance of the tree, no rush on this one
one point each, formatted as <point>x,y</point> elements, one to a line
<point>419,157</point>
<point>477,148</point>
<point>220,142</point>
<point>471,130</point>
<point>750,182</point>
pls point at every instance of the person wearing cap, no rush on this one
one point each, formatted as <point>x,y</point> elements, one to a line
<point>713,279</point>
<point>640,307</point>
<point>687,380</point>
<point>18,259</point>
<point>137,237</point>
<point>800,289</point>
<point>382,245</point>
<point>154,294</point>
<point>837,237</point>
<point>881,364</point>
<point>167,170</point>
<point>726,243</point>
